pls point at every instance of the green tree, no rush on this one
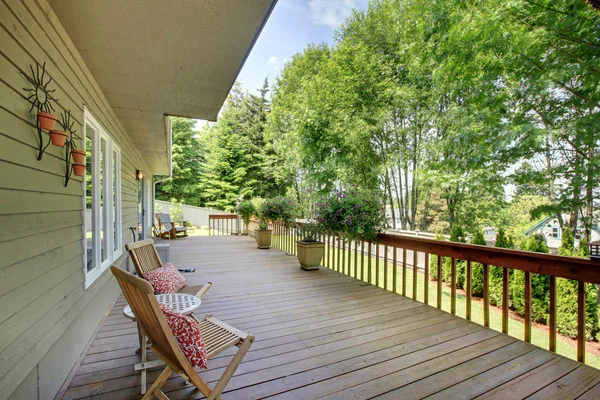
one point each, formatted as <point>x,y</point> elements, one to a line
<point>477,268</point>
<point>188,156</point>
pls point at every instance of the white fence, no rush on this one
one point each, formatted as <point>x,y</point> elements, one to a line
<point>197,216</point>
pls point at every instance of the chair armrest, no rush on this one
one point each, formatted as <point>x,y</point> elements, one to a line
<point>203,290</point>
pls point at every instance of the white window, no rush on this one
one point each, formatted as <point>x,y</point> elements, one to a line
<point>103,224</point>
<point>555,232</point>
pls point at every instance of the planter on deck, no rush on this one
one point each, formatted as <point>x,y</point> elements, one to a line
<point>263,238</point>
<point>310,254</point>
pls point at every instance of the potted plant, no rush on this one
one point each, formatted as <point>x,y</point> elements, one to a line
<point>310,249</point>
<point>46,120</point>
<point>354,214</point>
<point>278,209</point>
<point>245,210</point>
<point>58,137</point>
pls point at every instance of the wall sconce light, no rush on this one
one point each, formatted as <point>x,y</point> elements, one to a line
<point>139,175</point>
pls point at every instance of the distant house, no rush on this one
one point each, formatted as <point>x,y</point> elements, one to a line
<point>550,228</point>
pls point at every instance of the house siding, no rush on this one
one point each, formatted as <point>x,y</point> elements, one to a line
<point>46,315</point>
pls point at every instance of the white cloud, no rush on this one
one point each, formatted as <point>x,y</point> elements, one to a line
<point>331,12</point>
<point>274,62</point>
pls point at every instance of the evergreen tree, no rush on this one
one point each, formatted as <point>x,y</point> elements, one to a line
<point>502,241</point>
<point>477,268</point>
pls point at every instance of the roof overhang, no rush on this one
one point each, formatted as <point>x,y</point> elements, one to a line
<point>154,58</point>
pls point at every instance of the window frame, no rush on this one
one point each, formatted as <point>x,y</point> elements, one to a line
<point>110,212</point>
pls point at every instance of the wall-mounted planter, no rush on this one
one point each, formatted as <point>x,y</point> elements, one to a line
<point>46,120</point>
<point>58,138</point>
<point>78,157</point>
<point>79,169</point>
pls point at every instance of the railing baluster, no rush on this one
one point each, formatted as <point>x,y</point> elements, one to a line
<point>403,272</point>
<point>453,287</point>
<point>356,259</point>
<point>527,306</point>
<point>486,295</point>
<point>415,273</point>
<point>338,254</point>
<point>439,282</point>
<point>369,263</point>
<point>395,271</point>
<point>552,316</point>
<point>468,289</point>
<point>426,280</point>
<point>385,267</point>
<point>343,246</point>
<point>350,258</point>
<point>362,260</point>
<point>377,264</point>
<point>505,300</point>
<point>581,321</point>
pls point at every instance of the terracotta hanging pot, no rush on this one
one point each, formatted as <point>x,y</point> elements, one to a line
<point>46,120</point>
<point>58,138</point>
<point>79,169</point>
<point>78,156</point>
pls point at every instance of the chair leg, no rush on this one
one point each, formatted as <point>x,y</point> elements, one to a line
<point>157,384</point>
<point>235,362</point>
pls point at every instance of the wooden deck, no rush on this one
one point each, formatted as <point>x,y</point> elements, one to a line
<point>321,334</point>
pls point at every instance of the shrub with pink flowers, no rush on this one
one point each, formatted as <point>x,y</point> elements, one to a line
<point>353,214</point>
<point>278,209</point>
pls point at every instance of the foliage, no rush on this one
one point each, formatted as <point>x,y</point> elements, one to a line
<point>176,211</point>
<point>246,210</point>
<point>477,268</point>
<point>278,209</point>
<point>567,243</point>
<point>456,235</point>
<point>433,264</point>
<point>310,231</point>
<point>502,241</point>
<point>540,284</point>
<point>566,308</point>
<point>187,158</point>
<point>354,214</point>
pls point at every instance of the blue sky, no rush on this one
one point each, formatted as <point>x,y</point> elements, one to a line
<point>293,25</point>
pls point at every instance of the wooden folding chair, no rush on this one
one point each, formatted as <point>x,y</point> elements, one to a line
<point>145,258</point>
<point>165,220</point>
<point>218,336</point>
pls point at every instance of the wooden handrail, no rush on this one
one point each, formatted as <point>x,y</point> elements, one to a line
<point>579,269</point>
<point>220,224</point>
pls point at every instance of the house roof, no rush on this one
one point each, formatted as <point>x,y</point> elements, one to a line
<point>153,58</point>
<point>543,221</point>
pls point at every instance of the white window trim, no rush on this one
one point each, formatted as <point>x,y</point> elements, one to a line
<point>99,134</point>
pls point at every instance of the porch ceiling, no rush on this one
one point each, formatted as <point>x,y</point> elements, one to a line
<point>153,58</point>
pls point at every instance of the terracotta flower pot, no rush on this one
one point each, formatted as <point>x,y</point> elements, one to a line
<point>79,169</point>
<point>263,238</point>
<point>46,120</point>
<point>78,156</point>
<point>310,254</point>
<point>58,138</point>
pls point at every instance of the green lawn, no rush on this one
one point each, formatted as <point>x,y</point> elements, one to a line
<point>515,327</point>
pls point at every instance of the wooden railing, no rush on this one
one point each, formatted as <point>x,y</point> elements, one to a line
<point>382,266</point>
<point>223,224</point>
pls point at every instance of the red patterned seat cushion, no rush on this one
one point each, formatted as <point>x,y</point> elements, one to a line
<point>186,331</point>
<point>166,279</point>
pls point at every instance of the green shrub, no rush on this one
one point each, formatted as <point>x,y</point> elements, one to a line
<point>540,284</point>
<point>566,309</point>
<point>567,243</point>
<point>433,262</point>
<point>246,210</point>
<point>477,268</point>
<point>504,242</point>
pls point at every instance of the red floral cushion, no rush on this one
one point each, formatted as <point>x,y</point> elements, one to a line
<point>188,336</point>
<point>166,279</point>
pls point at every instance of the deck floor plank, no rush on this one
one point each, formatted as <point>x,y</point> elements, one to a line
<point>321,334</point>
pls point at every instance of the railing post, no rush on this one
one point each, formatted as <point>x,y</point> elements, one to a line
<point>385,267</point>
<point>505,300</point>
<point>581,321</point>
<point>486,295</point>
<point>356,259</point>
<point>377,264</point>
<point>395,271</point>
<point>403,272</point>
<point>362,260</point>
<point>453,287</point>
<point>527,306</point>
<point>369,263</point>
<point>552,315</point>
<point>439,282</point>
<point>468,289</point>
<point>426,280</point>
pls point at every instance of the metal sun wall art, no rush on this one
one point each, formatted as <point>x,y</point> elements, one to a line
<point>42,99</point>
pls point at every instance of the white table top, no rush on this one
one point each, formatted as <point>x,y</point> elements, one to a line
<point>180,302</point>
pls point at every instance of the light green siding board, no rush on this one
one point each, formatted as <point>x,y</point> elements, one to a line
<point>25,272</point>
<point>17,226</point>
<point>18,177</point>
<point>28,389</point>
<point>19,202</point>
